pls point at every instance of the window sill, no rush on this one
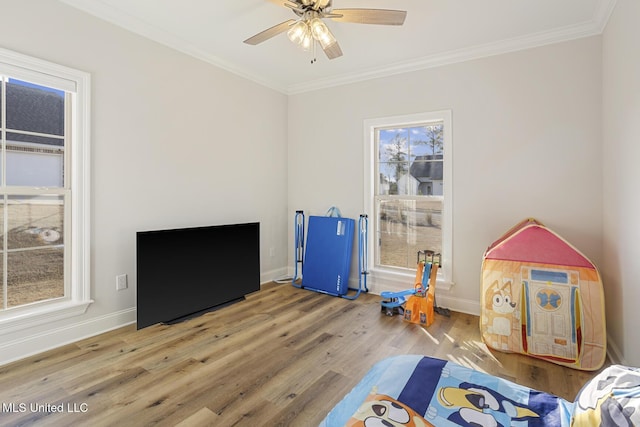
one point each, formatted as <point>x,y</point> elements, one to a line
<point>390,280</point>
<point>27,317</point>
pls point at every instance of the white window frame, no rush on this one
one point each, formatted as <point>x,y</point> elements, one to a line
<point>395,278</point>
<point>76,85</point>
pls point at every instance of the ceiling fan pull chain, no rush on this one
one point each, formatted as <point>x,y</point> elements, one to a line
<point>314,53</point>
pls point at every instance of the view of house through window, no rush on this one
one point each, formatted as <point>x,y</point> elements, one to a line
<point>409,192</point>
<point>33,192</point>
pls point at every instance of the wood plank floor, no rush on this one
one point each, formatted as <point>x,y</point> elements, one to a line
<point>282,357</point>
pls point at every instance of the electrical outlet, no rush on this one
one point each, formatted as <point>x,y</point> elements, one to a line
<point>121,282</point>
<point>272,252</point>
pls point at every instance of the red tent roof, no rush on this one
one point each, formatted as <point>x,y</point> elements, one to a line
<point>531,241</point>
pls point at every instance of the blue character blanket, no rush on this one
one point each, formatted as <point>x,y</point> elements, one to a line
<point>418,391</point>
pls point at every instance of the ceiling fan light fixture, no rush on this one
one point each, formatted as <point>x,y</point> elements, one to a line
<point>327,40</point>
<point>321,32</point>
<point>298,32</point>
<point>307,41</point>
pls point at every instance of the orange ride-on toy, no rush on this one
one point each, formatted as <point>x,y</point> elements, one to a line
<point>426,273</point>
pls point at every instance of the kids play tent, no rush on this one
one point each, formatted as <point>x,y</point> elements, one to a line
<point>541,297</point>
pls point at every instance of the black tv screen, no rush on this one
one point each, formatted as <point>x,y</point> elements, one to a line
<point>183,272</point>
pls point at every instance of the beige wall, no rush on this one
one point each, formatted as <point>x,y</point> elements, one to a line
<point>526,143</point>
<point>621,201</point>
<point>175,142</point>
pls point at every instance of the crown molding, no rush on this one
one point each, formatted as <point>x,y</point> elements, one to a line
<point>593,27</point>
<point>121,19</point>
<point>603,13</point>
<point>586,29</point>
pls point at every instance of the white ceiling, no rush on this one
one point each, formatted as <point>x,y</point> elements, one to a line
<point>435,32</point>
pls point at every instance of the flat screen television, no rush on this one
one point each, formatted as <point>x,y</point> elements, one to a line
<point>183,272</point>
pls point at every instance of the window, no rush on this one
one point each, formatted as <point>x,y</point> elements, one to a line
<point>44,261</point>
<point>409,191</point>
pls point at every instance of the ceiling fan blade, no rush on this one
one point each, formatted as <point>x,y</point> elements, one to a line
<point>321,4</point>
<point>333,51</point>
<point>270,32</point>
<point>295,7</point>
<point>370,16</point>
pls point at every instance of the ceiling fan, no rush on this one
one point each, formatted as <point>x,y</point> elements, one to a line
<point>309,27</point>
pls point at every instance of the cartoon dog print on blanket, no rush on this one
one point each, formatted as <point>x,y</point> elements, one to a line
<point>379,410</point>
<point>478,406</point>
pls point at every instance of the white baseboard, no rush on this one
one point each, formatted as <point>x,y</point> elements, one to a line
<point>272,275</point>
<point>29,345</point>
<point>458,304</point>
